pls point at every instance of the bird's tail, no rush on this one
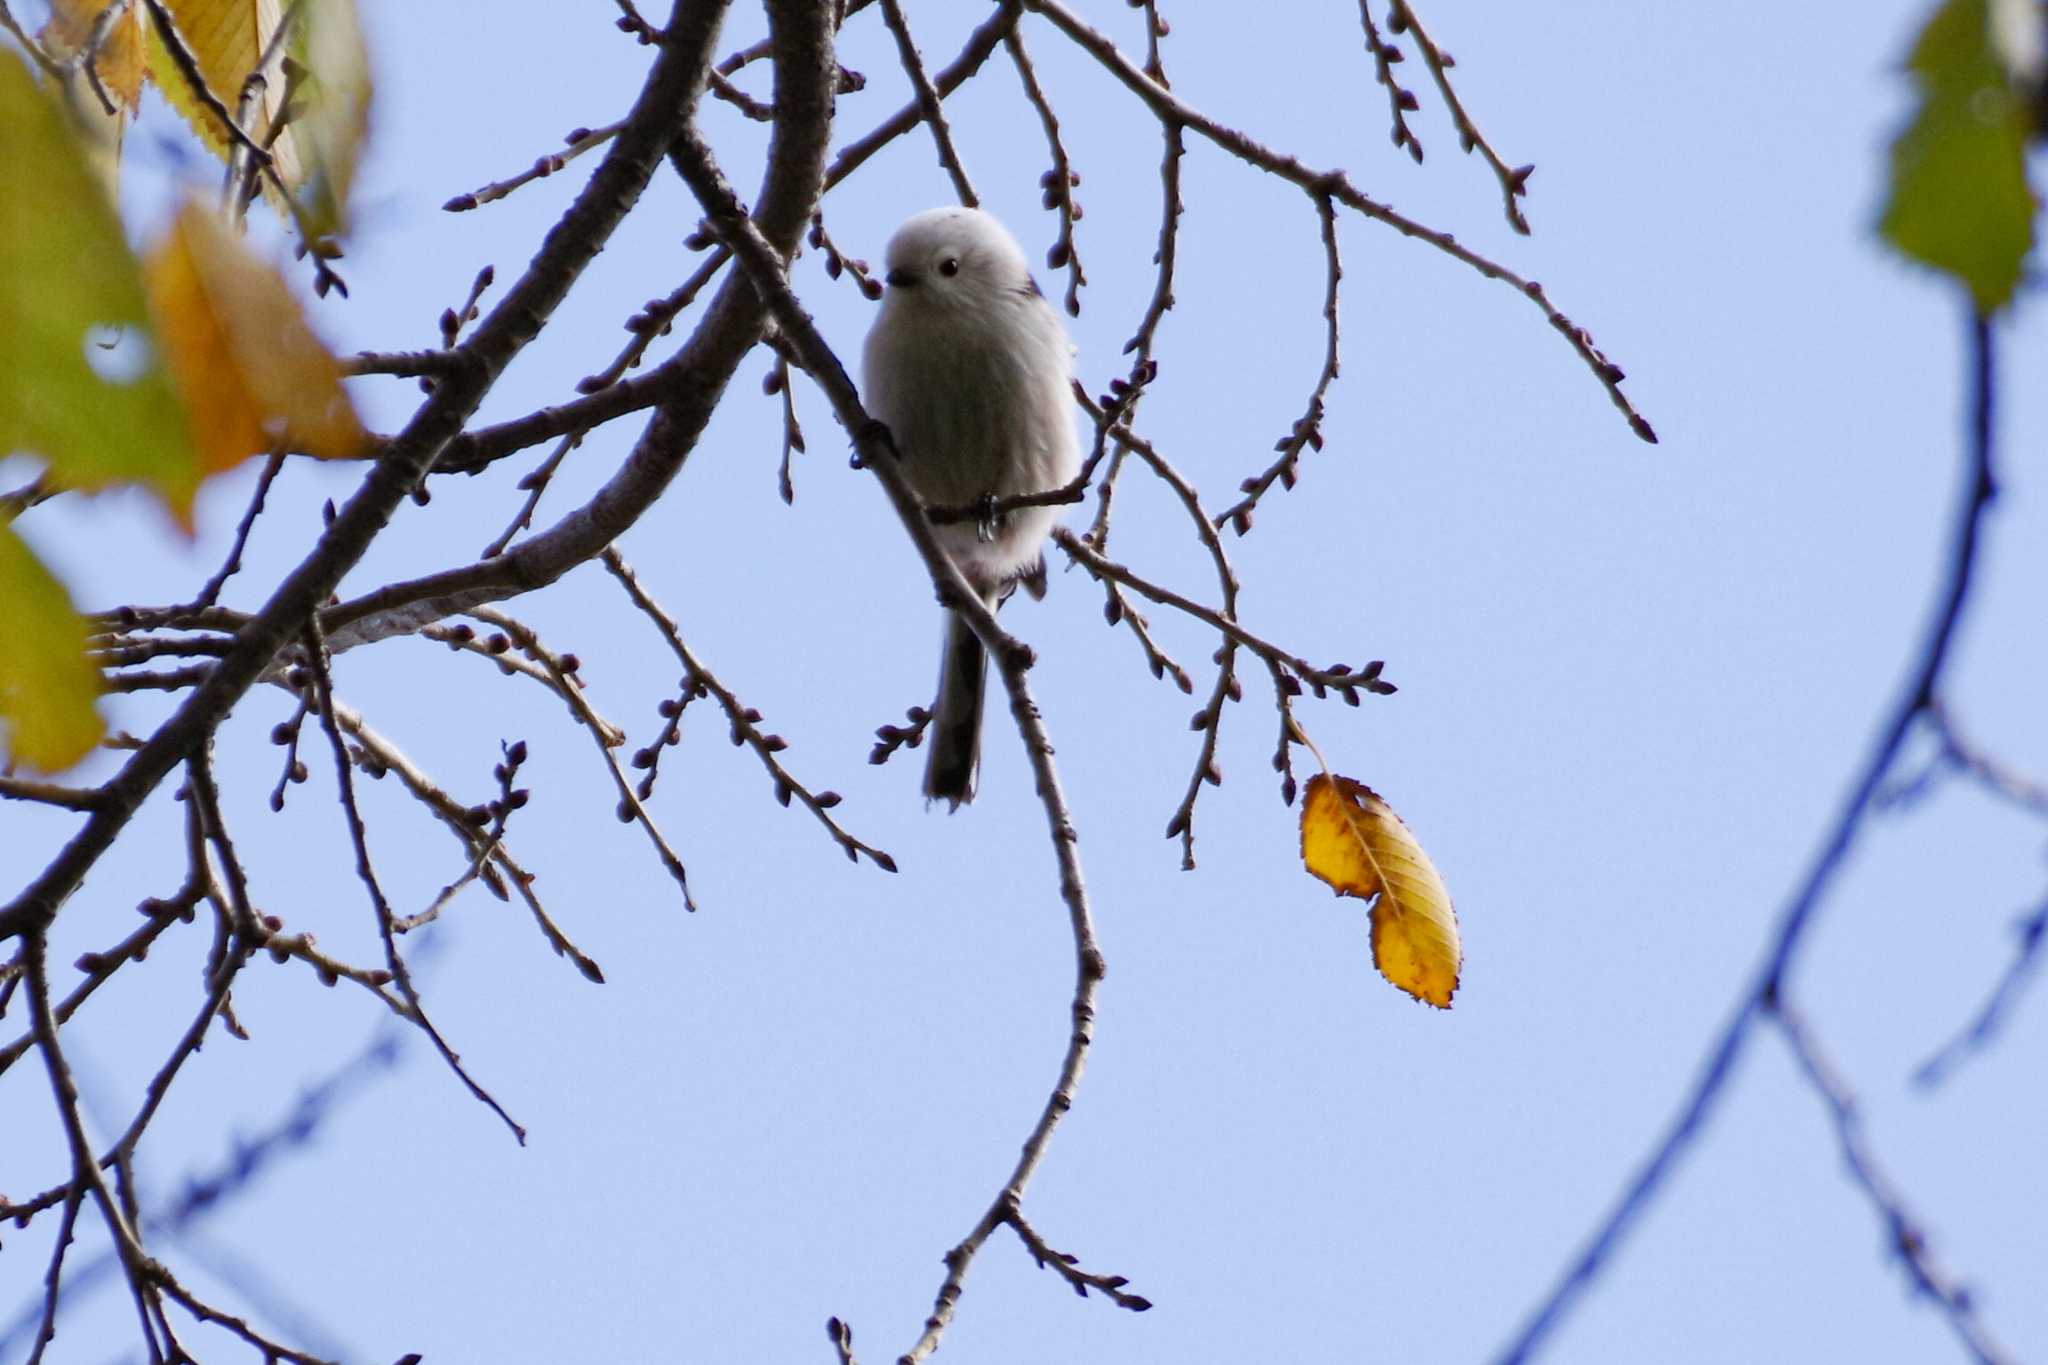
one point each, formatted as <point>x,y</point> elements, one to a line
<point>955,736</point>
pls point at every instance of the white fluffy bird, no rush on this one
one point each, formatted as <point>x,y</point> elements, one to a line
<point>971,370</point>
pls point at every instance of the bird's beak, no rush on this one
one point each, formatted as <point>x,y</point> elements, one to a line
<point>900,278</point>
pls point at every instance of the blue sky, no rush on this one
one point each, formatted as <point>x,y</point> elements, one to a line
<point>1634,682</point>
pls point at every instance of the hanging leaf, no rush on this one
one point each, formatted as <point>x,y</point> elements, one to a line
<point>251,372</point>
<point>1959,199</point>
<point>80,385</point>
<point>1352,839</point>
<point>47,685</point>
<point>332,107</point>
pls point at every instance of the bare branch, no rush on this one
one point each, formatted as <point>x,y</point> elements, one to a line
<point>1902,1231</point>
<point>743,720</point>
<point>1796,916</point>
<point>1167,106</point>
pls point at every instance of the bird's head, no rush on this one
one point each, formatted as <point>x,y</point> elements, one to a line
<point>954,257</point>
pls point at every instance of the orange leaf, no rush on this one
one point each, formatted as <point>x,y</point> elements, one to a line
<point>251,372</point>
<point>1352,839</point>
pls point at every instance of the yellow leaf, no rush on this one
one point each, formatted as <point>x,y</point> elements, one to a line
<point>251,372</point>
<point>47,685</point>
<point>119,59</point>
<point>227,38</point>
<point>1352,839</point>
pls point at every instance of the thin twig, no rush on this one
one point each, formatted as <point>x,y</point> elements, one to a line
<point>1166,105</point>
<point>1307,430</point>
<point>928,103</point>
<point>1341,678</point>
<point>743,720</point>
<point>380,756</point>
<point>1514,182</point>
<point>2032,933</point>
<point>1798,912</point>
<point>630,807</point>
<point>1401,101</point>
<point>579,141</point>
<point>767,270</point>
<point>1057,183</point>
<point>323,686</point>
<point>1902,1230</point>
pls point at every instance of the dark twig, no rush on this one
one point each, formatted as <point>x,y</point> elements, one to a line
<point>323,691</point>
<point>1401,101</point>
<point>379,756</point>
<point>1989,773</point>
<point>1069,1269</point>
<point>53,1278</point>
<point>1797,914</point>
<point>85,1171</point>
<point>1902,1230</point>
<point>743,720</point>
<point>928,103</point>
<point>2032,933</point>
<point>665,104</point>
<point>576,143</point>
<point>654,320</point>
<point>1165,105</point>
<point>535,482</point>
<point>1012,659</point>
<point>48,793</point>
<point>973,53</point>
<point>838,262</point>
<point>209,593</point>
<point>1341,678</point>
<point>100,966</point>
<point>1307,430</point>
<point>1057,183</point>
<point>1514,183</point>
<point>566,686</point>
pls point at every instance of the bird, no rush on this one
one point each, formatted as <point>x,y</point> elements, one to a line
<point>971,370</point>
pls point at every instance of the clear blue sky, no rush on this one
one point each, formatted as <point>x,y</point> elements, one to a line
<point>1633,681</point>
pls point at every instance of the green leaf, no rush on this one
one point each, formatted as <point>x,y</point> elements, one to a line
<point>1959,199</point>
<point>68,286</point>
<point>335,110</point>
<point>47,685</point>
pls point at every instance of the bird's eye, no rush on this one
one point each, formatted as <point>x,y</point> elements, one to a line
<point>949,267</point>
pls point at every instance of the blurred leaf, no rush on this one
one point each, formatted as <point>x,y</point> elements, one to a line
<point>227,38</point>
<point>1959,199</point>
<point>69,288</point>
<point>332,110</point>
<point>47,685</point>
<point>251,372</point>
<point>1352,839</point>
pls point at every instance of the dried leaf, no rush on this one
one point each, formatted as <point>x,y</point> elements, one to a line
<point>1352,839</point>
<point>251,372</point>
<point>47,685</point>
<point>80,384</point>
